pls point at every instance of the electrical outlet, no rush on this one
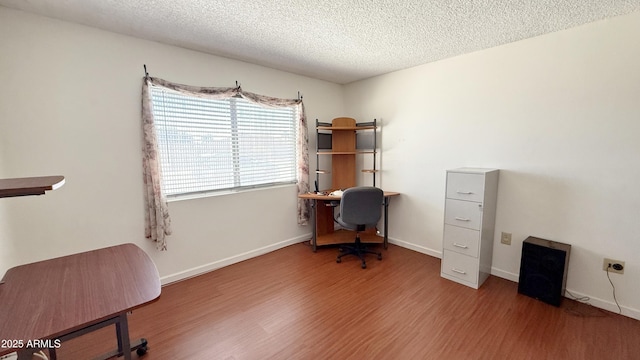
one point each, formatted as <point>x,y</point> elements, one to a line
<point>614,266</point>
<point>505,238</point>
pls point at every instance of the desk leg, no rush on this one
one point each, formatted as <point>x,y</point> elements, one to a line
<point>386,222</point>
<point>314,234</point>
<point>122,332</point>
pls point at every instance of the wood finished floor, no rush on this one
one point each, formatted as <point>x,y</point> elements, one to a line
<point>296,304</point>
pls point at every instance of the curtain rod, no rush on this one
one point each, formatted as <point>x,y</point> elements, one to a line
<point>146,76</point>
<point>238,85</point>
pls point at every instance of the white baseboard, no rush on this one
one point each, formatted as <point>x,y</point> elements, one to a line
<point>199,270</point>
<point>505,274</point>
<point>414,247</point>
<point>599,303</point>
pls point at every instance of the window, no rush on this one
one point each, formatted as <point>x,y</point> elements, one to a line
<point>210,145</point>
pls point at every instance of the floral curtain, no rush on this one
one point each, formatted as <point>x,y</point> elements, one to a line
<point>157,220</point>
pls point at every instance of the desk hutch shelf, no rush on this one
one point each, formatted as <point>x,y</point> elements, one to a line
<point>343,140</point>
<point>349,146</point>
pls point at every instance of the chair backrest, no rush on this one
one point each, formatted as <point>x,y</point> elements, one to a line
<point>361,205</point>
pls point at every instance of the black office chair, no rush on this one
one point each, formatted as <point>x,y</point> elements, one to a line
<point>360,209</point>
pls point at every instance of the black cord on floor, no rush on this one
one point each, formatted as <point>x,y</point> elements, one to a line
<point>614,292</point>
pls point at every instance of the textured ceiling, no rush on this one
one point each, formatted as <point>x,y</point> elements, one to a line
<point>338,41</point>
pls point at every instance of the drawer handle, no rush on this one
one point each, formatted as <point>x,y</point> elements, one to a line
<point>459,271</point>
<point>460,246</point>
<point>464,192</point>
<point>462,219</point>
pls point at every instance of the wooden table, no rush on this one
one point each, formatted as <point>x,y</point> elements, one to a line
<point>48,302</point>
<point>322,217</point>
<point>29,186</point>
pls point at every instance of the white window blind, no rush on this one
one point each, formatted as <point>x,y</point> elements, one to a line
<point>210,145</point>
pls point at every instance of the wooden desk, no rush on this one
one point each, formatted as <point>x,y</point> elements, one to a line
<point>66,297</point>
<point>322,217</point>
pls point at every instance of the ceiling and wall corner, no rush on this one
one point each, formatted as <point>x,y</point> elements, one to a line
<point>337,41</point>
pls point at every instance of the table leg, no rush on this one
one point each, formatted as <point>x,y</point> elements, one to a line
<point>125,347</point>
<point>25,354</point>
<point>122,332</point>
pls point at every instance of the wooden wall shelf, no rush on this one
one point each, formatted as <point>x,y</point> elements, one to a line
<point>29,185</point>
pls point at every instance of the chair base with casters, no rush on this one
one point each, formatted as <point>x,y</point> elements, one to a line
<point>357,249</point>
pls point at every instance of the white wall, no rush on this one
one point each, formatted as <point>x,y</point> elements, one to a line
<point>558,114</point>
<point>70,105</point>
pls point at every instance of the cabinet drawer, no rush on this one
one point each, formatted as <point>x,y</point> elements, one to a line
<point>460,266</point>
<point>465,214</point>
<point>461,240</point>
<point>468,187</point>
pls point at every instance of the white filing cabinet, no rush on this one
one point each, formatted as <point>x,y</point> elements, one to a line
<point>469,222</point>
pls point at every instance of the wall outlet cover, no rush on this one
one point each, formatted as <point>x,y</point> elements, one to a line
<point>505,238</point>
<point>613,266</point>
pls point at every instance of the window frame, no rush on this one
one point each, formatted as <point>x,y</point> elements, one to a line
<point>250,100</point>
